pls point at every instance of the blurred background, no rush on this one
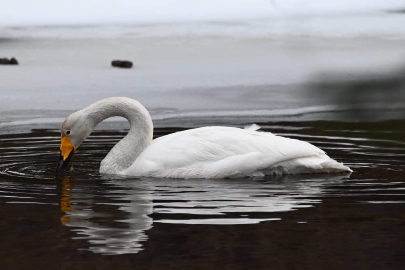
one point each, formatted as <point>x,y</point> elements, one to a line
<point>225,61</point>
<point>58,12</point>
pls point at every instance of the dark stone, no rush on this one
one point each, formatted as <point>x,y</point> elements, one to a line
<point>126,64</point>
<point>4,61</point>
<point>121,64</point>
<point>116,63</point>
<point>13,61</point>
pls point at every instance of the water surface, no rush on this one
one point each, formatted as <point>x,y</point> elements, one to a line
<point>83,219</point>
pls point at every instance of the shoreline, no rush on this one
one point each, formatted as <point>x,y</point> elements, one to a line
<point>234,78</point>
<point>238,119</point>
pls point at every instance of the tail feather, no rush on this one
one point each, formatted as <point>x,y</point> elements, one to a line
<point>311,164</point>
<point>252,127</point>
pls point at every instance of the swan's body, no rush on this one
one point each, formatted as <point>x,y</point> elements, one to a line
<point>208,152</point>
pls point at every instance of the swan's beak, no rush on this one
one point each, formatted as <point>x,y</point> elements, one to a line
<point>66,152</point>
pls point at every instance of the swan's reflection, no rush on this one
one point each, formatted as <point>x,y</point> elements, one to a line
<point>113,214</point>
<point>113,221</point>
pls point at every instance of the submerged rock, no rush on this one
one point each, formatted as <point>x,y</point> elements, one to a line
<point>121,64</point>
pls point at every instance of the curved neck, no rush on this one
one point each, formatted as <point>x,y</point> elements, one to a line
<point>139,137</point>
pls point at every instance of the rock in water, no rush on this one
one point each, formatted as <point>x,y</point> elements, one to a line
<point>4,61</point>
<point>121,64</point>
<point>13,61</point>
<point>126,64</point>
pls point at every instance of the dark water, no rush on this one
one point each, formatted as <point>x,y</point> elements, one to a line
<point>85,220</point>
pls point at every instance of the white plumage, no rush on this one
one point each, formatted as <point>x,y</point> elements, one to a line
<point>219,152</point>
<point>208,152</point>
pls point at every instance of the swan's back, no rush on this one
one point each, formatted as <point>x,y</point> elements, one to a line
<point>219,152</point>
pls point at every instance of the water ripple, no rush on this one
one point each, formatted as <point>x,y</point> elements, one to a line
<point>113,214</point>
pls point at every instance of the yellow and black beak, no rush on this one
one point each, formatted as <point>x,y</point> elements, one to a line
<point>66,152</point>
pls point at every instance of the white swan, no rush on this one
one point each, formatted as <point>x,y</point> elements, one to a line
<point>207,152</point>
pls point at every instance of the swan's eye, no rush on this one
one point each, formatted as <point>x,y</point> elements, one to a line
<point>68,132</point>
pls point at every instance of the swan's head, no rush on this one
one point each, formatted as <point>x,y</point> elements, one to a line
<point>75,129</point>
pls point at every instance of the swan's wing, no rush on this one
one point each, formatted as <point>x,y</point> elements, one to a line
<point>214,152</point>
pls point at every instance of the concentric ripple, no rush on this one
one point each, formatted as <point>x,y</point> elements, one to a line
<point>113,214</point>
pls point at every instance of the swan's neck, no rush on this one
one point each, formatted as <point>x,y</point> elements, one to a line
<point>139,137</point>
